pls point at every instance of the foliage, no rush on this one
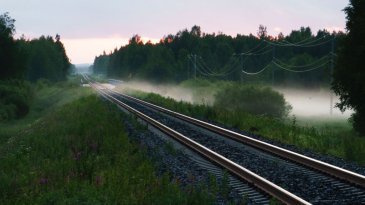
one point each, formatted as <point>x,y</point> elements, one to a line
<point>326,140</point>
<point>10,52</point>
<point>30,59</point>
<point>256,100</point>
<point>168,60</point>
<point>349,74</point>
<point>46,98</point>
<point>15,99</point>
<point>46,59</point>
<point>76,156</point>
<point>21,60</point>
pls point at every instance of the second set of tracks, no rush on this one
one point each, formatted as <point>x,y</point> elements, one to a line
<point>290,177</point>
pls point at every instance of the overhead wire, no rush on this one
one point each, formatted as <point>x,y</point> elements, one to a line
<point>249,51</point>
<point>258,72</point>
<point>201,68</point>
<point>226,72</point>
<point>299,71</point>
<point>301,66</point>
<point>300,45</point>
<point>256,51</point>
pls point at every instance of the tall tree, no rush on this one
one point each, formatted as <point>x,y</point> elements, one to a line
<point>7,47</point>
<point>262,32</point>
<point>349,75</point>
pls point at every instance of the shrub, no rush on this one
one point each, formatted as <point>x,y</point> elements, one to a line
<point>252,99</point>
<point>15,97</point>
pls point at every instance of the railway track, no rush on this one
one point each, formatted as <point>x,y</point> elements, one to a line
<point>220,146</point>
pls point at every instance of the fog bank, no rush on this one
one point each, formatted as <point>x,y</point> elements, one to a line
<point>307,103</point>
<point>312,102</point>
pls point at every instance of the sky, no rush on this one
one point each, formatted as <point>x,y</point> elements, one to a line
<point>89,27</point>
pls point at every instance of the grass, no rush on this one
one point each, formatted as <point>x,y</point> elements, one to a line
<point>332,139</point>
<point>47,97</point>
<point>75,156</point>
<point>72,149</point>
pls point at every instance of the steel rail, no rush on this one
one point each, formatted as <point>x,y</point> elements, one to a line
<point>241,172</point>
<point>332,170</point>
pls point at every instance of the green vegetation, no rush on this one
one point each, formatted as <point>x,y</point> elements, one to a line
<point>74,156</point>
<point>173,59</point>
<point>46,97</point>
<point>255,100</point>
<point>23,61</point>
<point>15,97</point>
<point>30,59</point>
<point>328,139</point>
<point>349,74</point>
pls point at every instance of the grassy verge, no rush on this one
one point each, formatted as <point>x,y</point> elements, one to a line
<point>338,142</point>
<point>80,154</point>
<point>46,97</point>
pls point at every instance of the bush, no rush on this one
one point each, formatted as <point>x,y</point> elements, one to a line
<point>252,99</point>
<point>15,97</point>
<point>42,82</point>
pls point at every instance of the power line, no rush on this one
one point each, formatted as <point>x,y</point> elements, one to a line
<point>201,68</point>
<point>255,52</point>
<point>308,44</point>
<point>249,51</point>
<point>302,43</point>
<point>206,72</point>
<point>300,66</point>
<point>231,66</point>
<point>226,72</point>
<point>299,71</point>
<point>258,72</point>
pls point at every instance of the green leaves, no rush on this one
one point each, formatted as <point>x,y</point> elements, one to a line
<point>349,73</point>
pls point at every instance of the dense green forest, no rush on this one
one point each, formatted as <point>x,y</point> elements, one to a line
<point>44,57</point>
<point>300,57</point>
<point>23,61</point>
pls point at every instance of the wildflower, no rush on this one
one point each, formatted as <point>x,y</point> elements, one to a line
<point>43,181</point>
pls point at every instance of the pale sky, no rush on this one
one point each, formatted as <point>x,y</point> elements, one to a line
<point>88,27</point>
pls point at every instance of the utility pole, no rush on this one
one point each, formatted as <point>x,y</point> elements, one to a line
<point>195,66</point>
<point>188,66</point>
<point>331,70</point>
<point>272,69</point>
<point>241,59</point>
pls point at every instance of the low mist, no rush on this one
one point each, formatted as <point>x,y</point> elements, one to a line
<point>306,103</point>
<point>176,92</point>
<point>312,102</point>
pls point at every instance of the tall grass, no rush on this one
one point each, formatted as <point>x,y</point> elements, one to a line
<point>80,154</point>
<point>46,97</point>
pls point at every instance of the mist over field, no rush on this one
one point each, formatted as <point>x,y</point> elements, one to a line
<point>312,102</point>
<point>306,103</point>
<point>176,92</point>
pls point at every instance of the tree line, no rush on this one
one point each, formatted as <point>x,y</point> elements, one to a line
<point>25,61</point>
<point>292,58</point>
<point>43,57</point>
<point>191,53</point>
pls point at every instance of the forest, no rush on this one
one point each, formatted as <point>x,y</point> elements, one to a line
<point>300,57</point>
<point>24,61</point>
